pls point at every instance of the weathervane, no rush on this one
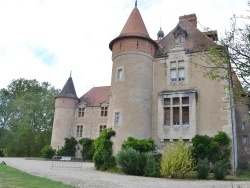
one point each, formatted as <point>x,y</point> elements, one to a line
<point>135,3</point>
<point>70,73</point>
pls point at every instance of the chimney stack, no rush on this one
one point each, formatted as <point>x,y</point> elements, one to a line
<point>190,18</point>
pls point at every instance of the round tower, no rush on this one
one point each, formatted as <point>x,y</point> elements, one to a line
<point>132,81</point>
<point>65,105</point>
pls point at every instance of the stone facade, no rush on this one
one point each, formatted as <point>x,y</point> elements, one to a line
<point>158,90</point>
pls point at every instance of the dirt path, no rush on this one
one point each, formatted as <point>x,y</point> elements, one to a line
<point>88,177</point>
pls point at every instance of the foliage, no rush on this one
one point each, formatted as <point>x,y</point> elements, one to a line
<point>48,152</point>
<point>137,163</point>
<point>69,148</point>
<point>144,145</point>
<point>26,117</point>
<point>203,168</point>
<point>176,160</point>
<point>220,169</point>
<point>232,53</point>
<point>213,148</point>
<point>88,149</point>
<point>11,177</point>
<point>152,168</point>
<point>103,158</point>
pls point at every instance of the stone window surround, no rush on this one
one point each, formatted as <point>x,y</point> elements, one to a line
<point>119,70</point>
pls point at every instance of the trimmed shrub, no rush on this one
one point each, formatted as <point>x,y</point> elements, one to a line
<point>48,152</point>
<point>203,168</point>
<point>103,158</point>
<point>152,168</point>
<point>127,160</point>
<point>176,160</point>
<point>88,149</point>
<point>220,169</point>
<point>69,148</point>
<point>144,145</point>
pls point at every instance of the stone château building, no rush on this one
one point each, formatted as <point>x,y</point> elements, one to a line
<point>158,90</point>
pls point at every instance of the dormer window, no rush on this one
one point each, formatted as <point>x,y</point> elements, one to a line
<point>180,35</point>
<point>180,38</point>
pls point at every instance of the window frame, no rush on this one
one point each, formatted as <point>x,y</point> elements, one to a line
<point>79,131</point>
<point>175,69</point>
<point>81,112</point>
<point>101,128</point>
<point>104,111</point>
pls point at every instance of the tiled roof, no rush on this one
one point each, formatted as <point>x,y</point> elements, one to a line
<point>196,40</point>
<point>68,90</point>
<point>96,96</point>
<point>135,25</point>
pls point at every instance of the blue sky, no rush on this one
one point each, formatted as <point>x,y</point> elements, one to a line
<point>47,39</point>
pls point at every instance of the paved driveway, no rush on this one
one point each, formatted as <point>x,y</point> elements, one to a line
<point>88,177</point>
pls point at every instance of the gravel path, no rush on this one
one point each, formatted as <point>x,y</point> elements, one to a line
<point>88,177</point>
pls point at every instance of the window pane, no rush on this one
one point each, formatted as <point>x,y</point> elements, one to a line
<point>185,115</point>
<point>173,64</point>
<point>176,116</point>
<point>185,100</point>
<point>117,117</point>
<point>176,101</point>
<point>167,101</point>
<point>119,74</point>
<point>173,75</point>
<point>181,75</point>
<point>181,63</point>
<point>166,116</point>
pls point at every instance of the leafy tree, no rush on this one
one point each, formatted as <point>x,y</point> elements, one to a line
<point>232,54</point>
<point>176,160</point>
<point>26,117</point>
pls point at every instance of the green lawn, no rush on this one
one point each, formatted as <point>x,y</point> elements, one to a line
<point>13,178</point>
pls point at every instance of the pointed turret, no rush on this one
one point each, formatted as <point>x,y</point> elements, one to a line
<point>68,90</point>
<point>130,107</point>
<point>133,28</point>
<point>65,105</point>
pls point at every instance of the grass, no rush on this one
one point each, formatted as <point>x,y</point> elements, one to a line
<point>13,178</point>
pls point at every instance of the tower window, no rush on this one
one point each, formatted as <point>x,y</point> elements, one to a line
<point>117,118</point>
<point>81,112</point>
<point>244,140</point>
<point>119,74</point>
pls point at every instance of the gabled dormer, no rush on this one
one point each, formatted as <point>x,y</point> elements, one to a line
<point>180,35</point>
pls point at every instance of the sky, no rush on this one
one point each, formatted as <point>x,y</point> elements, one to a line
<point>48,40</point>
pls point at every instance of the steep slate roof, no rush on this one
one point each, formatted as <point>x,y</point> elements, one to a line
<point>96,96</point>
<point>68,90</point>
<point>196,40</point>
<point>134,27</point>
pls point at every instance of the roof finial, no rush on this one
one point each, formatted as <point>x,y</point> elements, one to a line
<point>70,73</point>
<point>135,3</point>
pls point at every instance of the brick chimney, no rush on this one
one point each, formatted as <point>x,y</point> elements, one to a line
<point>190,17</point>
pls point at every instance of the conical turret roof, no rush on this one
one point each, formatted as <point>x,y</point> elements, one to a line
<point>134,27</point>
<point>68,90</point>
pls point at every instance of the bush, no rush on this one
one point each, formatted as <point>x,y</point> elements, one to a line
<point>220,169</point>
<point>213,148</point>
<point>133,162</point>
<point>103,158</point>
<point>48,152</point>
<point>144,145</point>
<point>88,149</point>
<point>152,168</point>
<point>203,168</point>
<point>69,148</point>
<point>128,158</point>
<point>176,160</point>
